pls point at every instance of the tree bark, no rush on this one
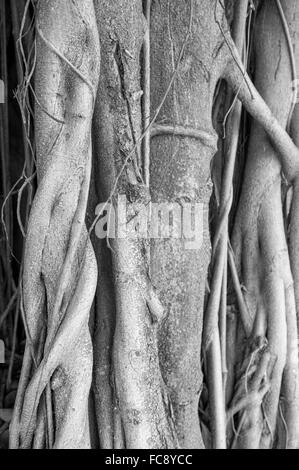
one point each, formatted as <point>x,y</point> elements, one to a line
<point>259,237</point>
<point>60,269</point>
<point>180,172</point>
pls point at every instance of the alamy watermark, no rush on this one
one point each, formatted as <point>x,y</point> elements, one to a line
<point>175,220</point>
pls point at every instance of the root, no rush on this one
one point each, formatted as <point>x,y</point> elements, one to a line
<point>259,232</point>
<point>251,388</point>
<point>139,418</point>
<point>58,289</point>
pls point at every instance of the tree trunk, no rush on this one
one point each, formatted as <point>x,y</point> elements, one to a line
<point>161,335</point>
<point>60,269</point>
<point>180,173</point>
<point>260,242</point>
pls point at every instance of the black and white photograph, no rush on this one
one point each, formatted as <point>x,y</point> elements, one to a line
<point>149,227</point>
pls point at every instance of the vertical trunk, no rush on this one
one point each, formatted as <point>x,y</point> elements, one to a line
<point>59,268</point>
<point>141,402</point>
<point>180,172</point>
<point>259,239</point>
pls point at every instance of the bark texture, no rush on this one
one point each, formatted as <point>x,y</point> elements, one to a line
<point>60,268</point>
<point>124,92</point>
<point>260,240</point>
<point>180,172</point>
<point>141,410</point>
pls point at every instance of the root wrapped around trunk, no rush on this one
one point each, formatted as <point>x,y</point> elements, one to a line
<point>145,356</point>
<point>140,414</point>
<point>259,238</point>
<point>60,270</point>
